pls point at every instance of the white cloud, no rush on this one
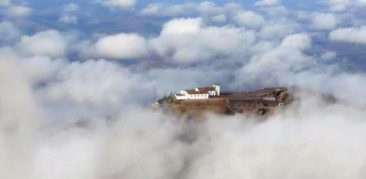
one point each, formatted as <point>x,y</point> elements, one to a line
<point>189,41</point>
<point>182,26</point>
<point>339,5</point>
<point>151,9</point>
<point>5,2</point>
<point>351,35</point>
<point>320,140</point>
<point>8,31</point>
<point>205,9</point>
<point>277,30</point>
<point>19,121</point>
<point>267,2</point>
<point>18,11</point>
<point>209,8</point>
<point>296,41</point>
<point>71,7</point>
<point>344,5</point>
<point>119,3</point>
<point>68,19</point>
<point>249,19</point>
<point>90,82</point>
<point>361,2</point>
<point>97,85</point>
<point>48,43</point>
<point>324,21</point>
<point>41,69</point>
<point>282,61</point>
<point>122,46</point>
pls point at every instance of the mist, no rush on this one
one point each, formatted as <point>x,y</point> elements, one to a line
<point>312,138</point>
<point>77,79</point>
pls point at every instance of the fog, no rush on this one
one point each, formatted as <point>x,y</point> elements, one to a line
<point>76,85</point>
<point>312,138</point>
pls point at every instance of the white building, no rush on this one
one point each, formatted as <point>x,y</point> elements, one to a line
<point>198,93</point>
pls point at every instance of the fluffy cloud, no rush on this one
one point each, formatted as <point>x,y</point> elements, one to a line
<point>287,58</point>
<point>324,21</point>
<point>296,41</point>
<point>267,2</point>
<point>351,35</point>
<point>48,43</point>
<point>119,3</point>
<point>189,41</point>
<point>19,119</point>
<point>41,69</point>
<point>249,19</point>
<point>8,31</point>
<point>89,114</point>
<point>122,46</point>
<point>97,85</point>
<point>18,11</point>
<point>90,83</point>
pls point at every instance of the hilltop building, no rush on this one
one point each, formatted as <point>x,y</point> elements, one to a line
<point>199,93</point>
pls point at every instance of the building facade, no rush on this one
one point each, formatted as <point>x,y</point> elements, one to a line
<point>199,93</point>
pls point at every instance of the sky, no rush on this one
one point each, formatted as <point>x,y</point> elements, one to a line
<point>77,79</point>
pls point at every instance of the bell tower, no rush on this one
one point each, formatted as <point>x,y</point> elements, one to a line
<point>217,89</point>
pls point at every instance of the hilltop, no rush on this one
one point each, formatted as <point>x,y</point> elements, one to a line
<point>201,99</point>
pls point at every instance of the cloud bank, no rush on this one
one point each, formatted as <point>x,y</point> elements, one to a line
<point>74,102</point>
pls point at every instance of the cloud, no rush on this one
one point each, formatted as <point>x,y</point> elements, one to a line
<point>19,121</point>
<point>267,2</point>
<point>67,19</point>
<point>48,43</point>
<point>345,5</point>
<point>18,11</point>
<point>8,31</point>
<point>361,3</point>
<point>187,41</point>
<point>96,84</point>
<point>296,41</point>
<point>350,35</point>
<point>151,9</point>
<point>205,9</point>
<point>249,19</point>
<point>339,5</point>
<point>277,30</point>
<point>122,46</point>
<point>5,2</point>
<point>317,136</point>
<point>324,21</point>
<point>41,69</point>
<point>85,83</point>
<point>119,3</point>
<point>270,66</point>
<point>71,7</point>
<point>83,118</point>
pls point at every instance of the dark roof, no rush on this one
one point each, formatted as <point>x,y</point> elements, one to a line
<point>255,95</point>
